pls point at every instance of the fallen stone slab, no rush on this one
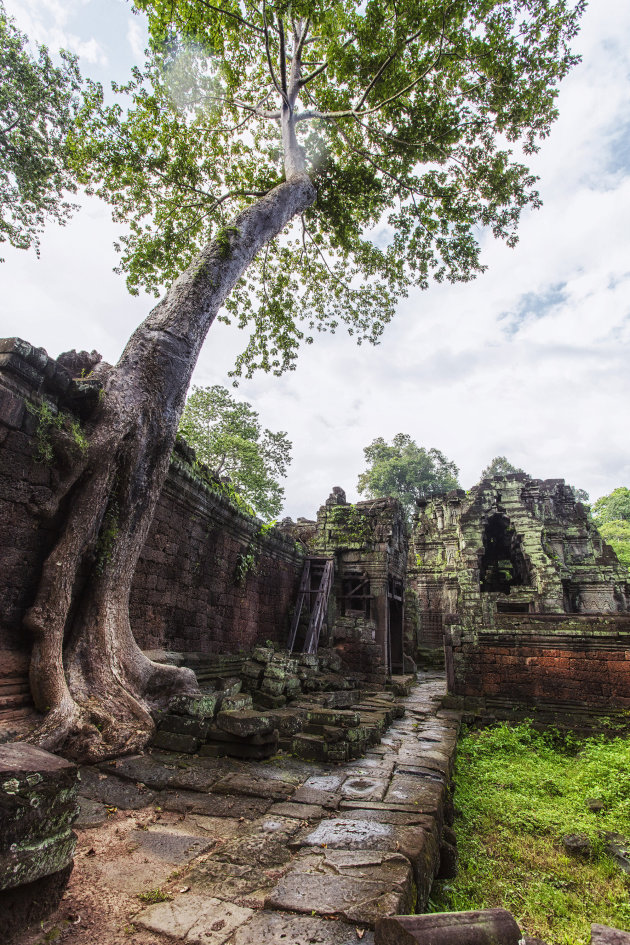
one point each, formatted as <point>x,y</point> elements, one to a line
<point>486,927</point>
<point>604,935</point>
<point>91,813</point>
<point>356,900</point>
<point>297,811</point>
<point>214,805</point>
<point>242,783</point>
<point>112,791</point>
<point>244,884</point>
<point>275,928</point>
<point>170,845</point>
<point>194,919</point>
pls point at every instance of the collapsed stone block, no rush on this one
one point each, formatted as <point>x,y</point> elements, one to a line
<point>38,805</point>
<point>202,707</point>
<point>484,927</point>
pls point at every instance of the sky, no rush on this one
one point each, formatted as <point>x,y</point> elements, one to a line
<point>529,361</point>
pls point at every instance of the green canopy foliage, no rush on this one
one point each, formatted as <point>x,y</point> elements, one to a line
<point>612,516</point>
<point>227,436</point>
<point>412,119</point>
<point>406,471</point>
<point>38,103</point>
<point>499,466</point>
<point>613,507</point>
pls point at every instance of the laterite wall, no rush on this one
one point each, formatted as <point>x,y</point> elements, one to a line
<point>539,660</point>
<point>185,595</point>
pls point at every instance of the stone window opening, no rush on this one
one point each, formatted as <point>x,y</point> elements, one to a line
<point>355,596</point>
<point>503,563</point>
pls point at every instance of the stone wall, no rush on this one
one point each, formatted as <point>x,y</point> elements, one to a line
<point>186,594</point>
<point>574,661</point>
<point>369,546</point>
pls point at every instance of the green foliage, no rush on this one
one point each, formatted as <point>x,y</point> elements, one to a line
<point>406,471</point>
<point>247,562</point>
<point>499,466</point>
<point>352,525</point>
<point>38,103</point>
<point>410,117</point>
<point>152,896</point>
<point>613,507</point>
<point>612,517</point>
<point>227,436</point>
<point>52,427</point>
<point>518,793</point>
<point>617,534</point>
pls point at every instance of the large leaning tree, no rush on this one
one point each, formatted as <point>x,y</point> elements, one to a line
<point>294,166</point>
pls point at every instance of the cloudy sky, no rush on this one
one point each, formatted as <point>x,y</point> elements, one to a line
<point>530,361</point>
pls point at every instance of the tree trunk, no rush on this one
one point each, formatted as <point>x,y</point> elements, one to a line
<point>87,672</point>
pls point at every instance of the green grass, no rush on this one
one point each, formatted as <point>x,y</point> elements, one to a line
<point>518,792</point>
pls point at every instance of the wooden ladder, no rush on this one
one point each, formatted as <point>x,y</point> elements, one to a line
<point>323,568</point>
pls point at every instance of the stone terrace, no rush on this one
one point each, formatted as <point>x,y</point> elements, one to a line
<point>253,853</point>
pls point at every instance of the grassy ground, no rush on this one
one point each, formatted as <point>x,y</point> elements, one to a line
<point>518,793</point>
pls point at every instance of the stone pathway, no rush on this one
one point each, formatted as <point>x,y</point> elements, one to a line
<point>284,851</point>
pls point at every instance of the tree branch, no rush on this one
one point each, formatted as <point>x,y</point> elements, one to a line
<point>235,16</point>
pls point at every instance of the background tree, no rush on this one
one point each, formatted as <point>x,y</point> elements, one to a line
<point>38,104</point>
<point>406,471</point>
<point>612,517</point>
<point>350,121</point>
<point>499,466</point>
<point>227,436</point>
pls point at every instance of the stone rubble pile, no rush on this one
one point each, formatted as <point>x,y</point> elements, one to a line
<point>300,704</point>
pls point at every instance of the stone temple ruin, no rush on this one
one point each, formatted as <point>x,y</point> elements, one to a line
<point>307,790</point>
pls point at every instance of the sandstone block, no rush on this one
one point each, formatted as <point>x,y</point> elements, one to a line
<point>484,927</point>
<point>244,723</point>
<point>202,707</point>
<point>169,741</point>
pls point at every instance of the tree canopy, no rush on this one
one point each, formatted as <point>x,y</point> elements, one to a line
<point>499,466</point>
<point>38,103</point>
<point>405,470</point>
<point>612,516</point>
<point>410,118</point>
<point>613,507</point>
<point>227,436</point>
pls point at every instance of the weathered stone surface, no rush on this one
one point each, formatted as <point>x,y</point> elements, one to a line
<point>194,919</point>
<point>356,900</point>
<point>185,725</point>
<point>214,805</point>
<point>577,844</point>
<point>236,703</point>
<point>91,813</point>
<point>244,722</point>
<point>38,805</point>
<point>604,935</point>
<point>169,741</point>
<point>364,788</point>
<point>202,707</point>
<point>24,906</point>
<point>487,927</point>
<point>297,811</point>
<point>425,795</point>
<point>273,928</point>
<point>112,791</point>
<point>238,783</point>
<point>170,844</point>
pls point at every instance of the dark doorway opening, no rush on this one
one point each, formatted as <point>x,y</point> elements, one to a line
<point>355,596</point>
<point>395,619</point>
<point>503,563</point>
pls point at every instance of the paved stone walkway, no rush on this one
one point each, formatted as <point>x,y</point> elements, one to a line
<point>284,851</point>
